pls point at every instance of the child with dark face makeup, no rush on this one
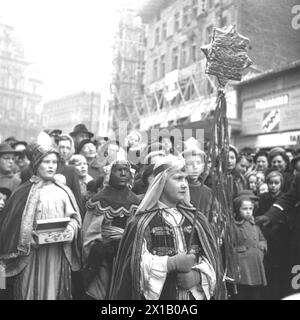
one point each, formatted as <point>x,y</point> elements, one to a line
<point>104,224</point>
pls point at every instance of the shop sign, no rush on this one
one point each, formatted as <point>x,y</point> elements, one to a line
<point>272,102</point>
<point>278,139</point>
<point>295,138</point>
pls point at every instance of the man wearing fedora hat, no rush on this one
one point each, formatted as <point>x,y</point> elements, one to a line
<point>7,161</point>
<point>80,133</point>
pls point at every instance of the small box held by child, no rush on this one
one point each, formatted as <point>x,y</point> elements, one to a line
<point>52,231</point>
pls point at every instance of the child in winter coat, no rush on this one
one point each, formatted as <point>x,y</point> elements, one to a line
<point>277,237</point>
<point>251,247</point>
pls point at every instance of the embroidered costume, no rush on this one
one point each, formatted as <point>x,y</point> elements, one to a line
<point>158,232</point>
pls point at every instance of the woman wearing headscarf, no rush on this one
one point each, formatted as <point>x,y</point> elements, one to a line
<point>65,147</point>
<point>153,261</point>
<point>43,271</point>
<point>104,224</point>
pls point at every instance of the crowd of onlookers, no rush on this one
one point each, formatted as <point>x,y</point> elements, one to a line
<point>258,180</point>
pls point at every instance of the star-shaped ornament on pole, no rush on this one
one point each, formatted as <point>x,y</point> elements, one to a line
<point>227,55</point>
<point>226,59</point>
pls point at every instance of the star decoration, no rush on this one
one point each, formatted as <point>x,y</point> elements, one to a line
<point>227,55</point>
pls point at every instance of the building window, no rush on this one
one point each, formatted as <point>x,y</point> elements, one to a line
<point>210,4</point>
<point>195,8</point>
<point>193,53</point>
<point>164,31</point>
<point>184,54</point>
<point>175,58</point>
<point>157,35</point>
<point>208,35</point>
<point>162,66</point>
<point>155,69</point>
<point>15,83</point>
<point>185,17</point>
<point>176,21</point>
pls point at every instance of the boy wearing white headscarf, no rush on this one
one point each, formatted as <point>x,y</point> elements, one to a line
<point>153,261</point>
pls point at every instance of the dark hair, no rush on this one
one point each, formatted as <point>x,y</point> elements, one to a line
<point>147,171</point>
<point>94,185</point>
<point>261,153</point>
<point>244,195</point>
<point>247,151</point>
<point>171,138</point>
<point>5,191</point>
<point>291,150</point>
<point>249,158</point>
<point>294,161</point>
<point>237,205</point>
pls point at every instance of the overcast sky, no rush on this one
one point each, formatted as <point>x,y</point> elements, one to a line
<point>68,40</point>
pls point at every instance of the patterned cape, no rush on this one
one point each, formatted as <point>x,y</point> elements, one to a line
<point>106,205</point>
<point>126,279</point>
<point>17,223</point>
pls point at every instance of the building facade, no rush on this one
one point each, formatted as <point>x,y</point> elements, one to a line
<point>270,109</point>
<point>66,112</point>
<point>128,68</point>
<point>177,92</point>
<point>20,90</point>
